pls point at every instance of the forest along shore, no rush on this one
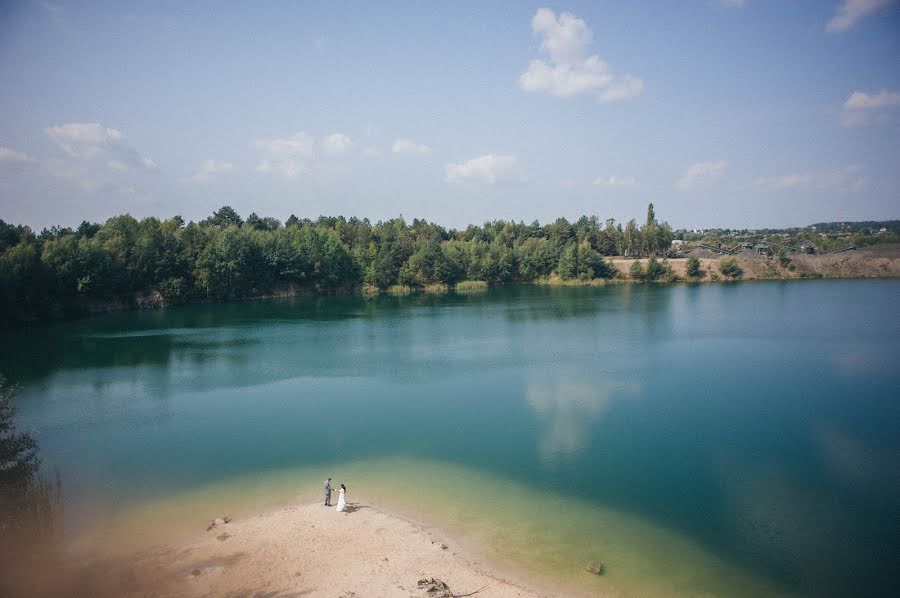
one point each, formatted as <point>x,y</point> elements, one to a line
<point>877,261</point>
<point>126,263</point>
<point>303,549</point>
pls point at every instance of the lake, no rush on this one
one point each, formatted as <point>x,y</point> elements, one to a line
<point>719,439</point>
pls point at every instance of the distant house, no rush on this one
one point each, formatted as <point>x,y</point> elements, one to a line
<point>762,249</point>
<point>677,243</point>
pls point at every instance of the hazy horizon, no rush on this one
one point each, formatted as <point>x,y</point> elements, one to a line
<point>722,113</point>
<point>639,218</point>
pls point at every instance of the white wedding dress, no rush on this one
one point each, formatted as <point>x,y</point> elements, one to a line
<point>341,504</point>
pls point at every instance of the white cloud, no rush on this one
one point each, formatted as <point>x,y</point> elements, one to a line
<point>10,157</point>
<point>74,173</point>
<point>209,170</point>
<point>54,11</point>
<point>295,155</point>
<point>87,141</point>
<point>731,3</point>
<point>564,80</point>
<point>616,182</point>
<point>489,169</point>
<point>336,144</point>
<point>408,146</point>
<point>702,173</point>
<point>860,100</point>
<point>565,39</point>
<point>787,181</point>
<point>288,156</point>
<point>847,179</point>
<point>862,108</point>
<point>570,70</point>
<point>84,140</point>
<point>850,11</point>
<point>624,88</point>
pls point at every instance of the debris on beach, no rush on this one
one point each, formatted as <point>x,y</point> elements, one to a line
<point>595,567</point>
<point>218,521</point>
<point>435,587</point>
<point>223,537</point>
<point>206,571</point>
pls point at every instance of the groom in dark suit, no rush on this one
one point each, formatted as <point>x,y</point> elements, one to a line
<point>328,492</point>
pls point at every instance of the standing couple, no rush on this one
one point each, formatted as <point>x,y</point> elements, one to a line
<point>341,504</point>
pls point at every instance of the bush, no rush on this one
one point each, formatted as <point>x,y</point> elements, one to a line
<point>471,285</point>
<point>636,271</point>
<point>30,511</point>
<point>729,268</point>
<point>654,269</point>
<point>693,268</point>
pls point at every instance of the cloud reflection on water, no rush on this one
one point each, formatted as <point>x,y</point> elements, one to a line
<point>859,467</point>
<point>568,409</point>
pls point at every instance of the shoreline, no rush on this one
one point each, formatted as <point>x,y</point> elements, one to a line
<point>877,262</point>
<point>538,544</point>
<point>302,548</point>
<point>595,282</point>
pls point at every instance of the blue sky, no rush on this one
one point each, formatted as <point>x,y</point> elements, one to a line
<point>721,112</point>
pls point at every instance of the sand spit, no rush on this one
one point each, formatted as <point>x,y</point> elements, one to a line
<point>301,550</point>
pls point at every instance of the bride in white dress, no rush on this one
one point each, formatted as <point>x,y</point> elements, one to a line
<point>342,504</point>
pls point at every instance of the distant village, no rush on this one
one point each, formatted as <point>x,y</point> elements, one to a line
<point>820,238</point>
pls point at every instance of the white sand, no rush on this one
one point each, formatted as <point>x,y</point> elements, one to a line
<point>308,550</point>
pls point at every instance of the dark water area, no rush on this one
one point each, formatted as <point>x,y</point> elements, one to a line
<point>758,420</point>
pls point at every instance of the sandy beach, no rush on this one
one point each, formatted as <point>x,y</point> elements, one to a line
<point>304,549</point>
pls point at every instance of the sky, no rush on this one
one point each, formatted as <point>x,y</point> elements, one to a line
<point>723,113</point>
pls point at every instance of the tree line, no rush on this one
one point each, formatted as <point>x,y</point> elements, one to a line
<point>57,272</point>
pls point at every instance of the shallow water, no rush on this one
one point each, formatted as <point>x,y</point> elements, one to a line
<point>735,439</point>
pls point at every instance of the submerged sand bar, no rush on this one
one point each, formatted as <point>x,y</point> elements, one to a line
<point>498,533</point>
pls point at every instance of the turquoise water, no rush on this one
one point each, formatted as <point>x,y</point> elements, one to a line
<point>753,428</point>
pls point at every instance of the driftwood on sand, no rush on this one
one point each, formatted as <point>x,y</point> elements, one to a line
<point>218,521</point>
<point>439,589</point>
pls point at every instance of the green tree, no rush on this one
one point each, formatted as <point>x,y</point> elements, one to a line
<point>425,266</point>
<point>630,238</point>
<point>567,266</point>
<point>537,258</point>
<point>224,216</point>
<point>729,268</point>
<point>693,268</point>
<point>649,233</point>
<point>636,270</point>
<point>591,264</point>
<point>654,269</point>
